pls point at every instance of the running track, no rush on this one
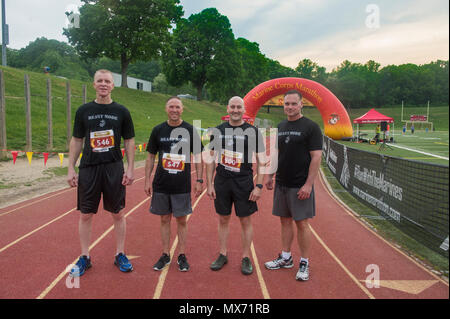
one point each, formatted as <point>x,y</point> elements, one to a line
<point>39,239</point>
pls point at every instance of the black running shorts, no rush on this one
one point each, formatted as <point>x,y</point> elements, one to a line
<point>235,190</point>
<point>106,179</point>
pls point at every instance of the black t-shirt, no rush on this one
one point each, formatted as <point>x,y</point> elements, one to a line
<point>174,145</point>
<point>295,140</point>
<point>102,126</point>
<point>235,147</point>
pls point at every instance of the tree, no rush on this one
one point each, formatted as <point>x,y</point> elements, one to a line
<point>305,68</point>
<point>59,56</point>
<point>311,70</point>
<point>276,70</point>
<point>125,30</point>
<point>253,65</point>
<point>202,51</point>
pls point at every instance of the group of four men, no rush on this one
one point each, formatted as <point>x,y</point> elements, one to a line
<point>101,124</point>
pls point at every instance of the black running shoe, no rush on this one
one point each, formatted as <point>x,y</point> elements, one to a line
<point>182,263</point>
<point>162,262</point>
<point>246,267</point>
<point>219,262</point>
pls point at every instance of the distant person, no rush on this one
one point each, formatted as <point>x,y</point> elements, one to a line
<point>404,129</point>
<point>102,124</point>
<point>299,155</point>
<point>377,133</point>
<point>412,128</point>
<point>173,140</point>
<point>234,143</point>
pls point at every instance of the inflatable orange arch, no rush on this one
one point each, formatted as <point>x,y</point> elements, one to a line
<point>337,124</point>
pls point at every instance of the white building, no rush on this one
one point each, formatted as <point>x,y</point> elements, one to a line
<point>133,83</point>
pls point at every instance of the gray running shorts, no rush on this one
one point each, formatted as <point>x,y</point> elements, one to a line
<point>177,204</point>
<point>287,204</point>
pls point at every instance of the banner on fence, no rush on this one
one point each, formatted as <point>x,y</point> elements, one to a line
<point>412,195</point>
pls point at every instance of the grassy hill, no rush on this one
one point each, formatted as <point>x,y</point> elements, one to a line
<point>147,109</point>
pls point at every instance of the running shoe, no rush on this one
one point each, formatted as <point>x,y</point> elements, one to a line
<point>219,262</point>
<point>280,262</point>
<point>123,263</point>
<point>162,262</point>
<point>83,264</point>
<point>246,267</point>
<point>303,271</point>
<point>182,263</point>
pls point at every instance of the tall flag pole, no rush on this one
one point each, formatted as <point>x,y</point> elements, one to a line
<point>5,34</point>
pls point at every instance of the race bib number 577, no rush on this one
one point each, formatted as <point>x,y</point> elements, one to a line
<point>102,141</point>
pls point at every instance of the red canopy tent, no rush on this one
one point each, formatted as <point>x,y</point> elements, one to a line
<point>371,117</point>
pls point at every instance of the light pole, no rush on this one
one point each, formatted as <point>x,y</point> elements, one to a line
<point>5,34</point>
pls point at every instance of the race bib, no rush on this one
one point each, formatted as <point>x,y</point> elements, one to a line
<point>102,141</point>
<point>173,163</point>
<point>231,160</point>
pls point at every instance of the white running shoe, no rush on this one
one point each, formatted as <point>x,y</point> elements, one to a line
<point>303,271</point>
<point>279,262</point>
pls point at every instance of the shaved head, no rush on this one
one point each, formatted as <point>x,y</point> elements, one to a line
<point>236,100</point>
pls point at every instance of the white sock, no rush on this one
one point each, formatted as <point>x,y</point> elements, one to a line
<point>304,259</point>
<point>286,255</point>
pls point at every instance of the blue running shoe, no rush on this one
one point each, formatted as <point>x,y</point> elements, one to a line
<point>123,263</point>
<point>83,264</point>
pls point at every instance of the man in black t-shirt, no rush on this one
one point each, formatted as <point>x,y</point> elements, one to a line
<point>173,141</point>
<point>234,144</point>
<point>299,156</point>
<point>99,126</point>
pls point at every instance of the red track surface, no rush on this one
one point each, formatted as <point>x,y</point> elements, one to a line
<point>39,239</point>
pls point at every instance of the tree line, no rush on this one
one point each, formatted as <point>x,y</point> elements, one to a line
<point>200,55</point>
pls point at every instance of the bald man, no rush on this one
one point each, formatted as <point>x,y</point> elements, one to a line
<point>233,144</point>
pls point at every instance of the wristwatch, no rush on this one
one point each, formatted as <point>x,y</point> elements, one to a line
<point>260,186</point>
<point>200,181</point>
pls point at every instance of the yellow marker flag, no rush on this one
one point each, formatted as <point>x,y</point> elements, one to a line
<point>29,156</point>
<point>61,157</point>
<point>140,147</point>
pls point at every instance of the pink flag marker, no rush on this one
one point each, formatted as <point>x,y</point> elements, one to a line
<point>45,158</point>
<point>14,154</point>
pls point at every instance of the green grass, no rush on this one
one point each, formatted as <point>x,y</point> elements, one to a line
<point>432,142</point>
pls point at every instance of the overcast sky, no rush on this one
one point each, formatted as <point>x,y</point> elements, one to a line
<point>325,31</point>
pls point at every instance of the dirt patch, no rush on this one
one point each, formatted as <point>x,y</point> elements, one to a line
<point>22,181</point>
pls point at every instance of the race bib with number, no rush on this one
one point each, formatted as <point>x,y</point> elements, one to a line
<point>231,160</point>
<point>102,141</point>
<point>173,163</point>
